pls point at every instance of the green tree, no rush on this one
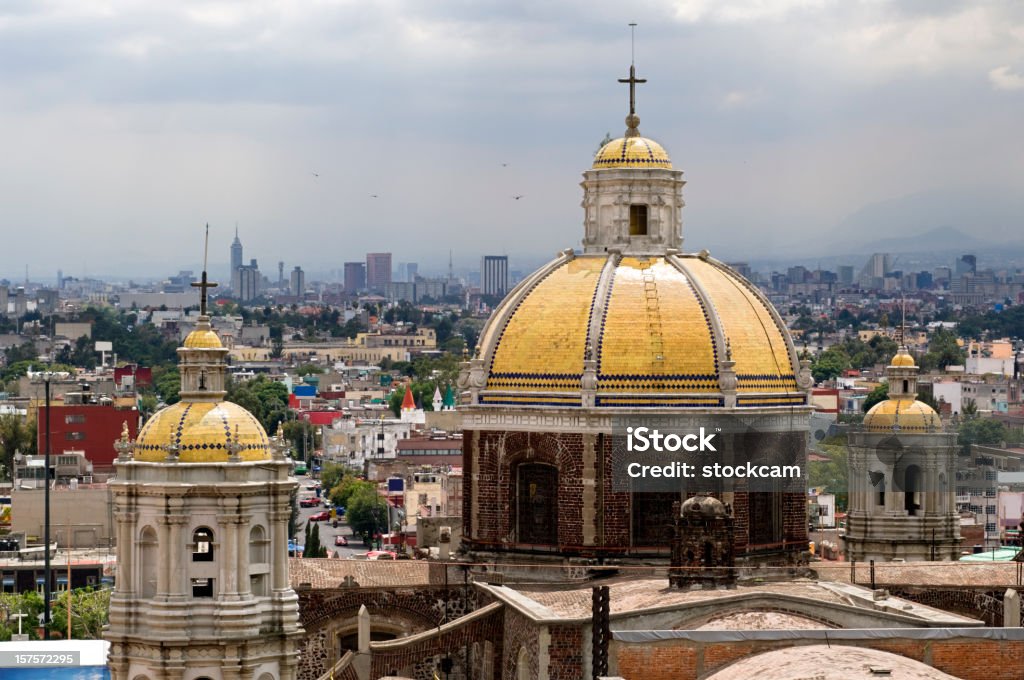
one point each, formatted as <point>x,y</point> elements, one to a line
<point>367,512</point>
<point>331,476</point>
<point>943,351</point>
<point>89,609</point>
<point>349,486</point>
<point>875,396</point>
<point>30,604</point>
<point>980,431</point>
<point>16,434</point>
<point>167,382</point>
<point>313,548</point>
<point>833,474</point>
<point>830,364</point>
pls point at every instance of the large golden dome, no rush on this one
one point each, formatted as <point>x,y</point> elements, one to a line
<point>658,328</point>
<point>203,432</point>
<point>904,415</point>
<point>632,152</point>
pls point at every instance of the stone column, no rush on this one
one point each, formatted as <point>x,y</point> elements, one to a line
<point>279,546</point>
<point>163,555</point>
<point>126,548</point>
<point>242,563</point>
<point>228,560</point>
<point>1011,609</point>
<point>176,548</point>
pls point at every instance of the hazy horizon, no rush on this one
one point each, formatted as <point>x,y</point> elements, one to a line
<point>802,126</point>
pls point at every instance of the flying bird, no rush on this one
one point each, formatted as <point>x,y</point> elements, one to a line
<point>316,174</point>
<point>504,165</point>
<point>374,196</point>
<point>517,197</point>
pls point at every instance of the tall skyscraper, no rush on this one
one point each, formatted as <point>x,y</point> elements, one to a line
<point>248,281</point>
<point>494,275</point>
<point>355,277</point>
<point>378,271</point>
<point>298,281</point>
<point>967,264</point>
<point>236,261</point>
<point>280,274</point>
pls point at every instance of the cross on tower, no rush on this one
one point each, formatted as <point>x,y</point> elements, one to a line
<point>632,80</point>
<point>203,285</point>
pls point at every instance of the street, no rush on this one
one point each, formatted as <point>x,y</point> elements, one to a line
<point>327,532</point>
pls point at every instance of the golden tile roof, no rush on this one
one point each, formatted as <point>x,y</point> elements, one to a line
<point>202,339</point>
<point>903,359</point>
<point>906,414</point>
<point>652,336</point>
<point>202,432</point>
<point>632,152</point>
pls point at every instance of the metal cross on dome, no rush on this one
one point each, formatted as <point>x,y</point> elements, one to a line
<point>632,79</point>
<point>203,284</point>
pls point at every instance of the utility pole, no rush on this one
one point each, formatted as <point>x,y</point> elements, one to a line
<point>46,515</point>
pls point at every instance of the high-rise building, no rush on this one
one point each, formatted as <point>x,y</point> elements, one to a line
<point>236,259</point>
<point>280,274</point>
<point>298,281</point>
<point>845,274</point>
<point>355,277</point>
<point>248,281</point>
<point>407,271</point>
<point>378,271</point>
<point>494,275</point>
<point>967,264</point>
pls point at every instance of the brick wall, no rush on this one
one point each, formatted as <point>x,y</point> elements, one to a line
<point>967,658</point>
<point>490,523</point>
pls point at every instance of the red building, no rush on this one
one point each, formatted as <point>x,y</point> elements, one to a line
<point>92,428</point>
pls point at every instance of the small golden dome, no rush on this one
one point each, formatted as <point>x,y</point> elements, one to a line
<point>909,415</point>
<point>203,432</point>
<point>632,152</point>
<point>202,339</point>
<point>903,359</point>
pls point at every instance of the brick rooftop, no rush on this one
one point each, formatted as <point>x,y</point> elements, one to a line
<point>953,574</point>
<point>325,574</point>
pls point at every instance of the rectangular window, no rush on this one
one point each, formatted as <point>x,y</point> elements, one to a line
<point>74,418</point>
<point>638,220</point>
<point>990,509</point>
<point>990,528</point>
<point>990,493</point>
<point>74,436</point>
<point>202,587</point>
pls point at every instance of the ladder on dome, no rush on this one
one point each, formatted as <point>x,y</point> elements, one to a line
<point>654,322</point>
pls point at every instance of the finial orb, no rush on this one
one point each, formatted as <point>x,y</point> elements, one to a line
<point>633,121</point>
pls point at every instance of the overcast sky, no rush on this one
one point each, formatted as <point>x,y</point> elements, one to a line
<point>127,125</point>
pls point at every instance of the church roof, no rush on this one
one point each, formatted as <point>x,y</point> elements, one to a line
<point>202,432</point>
<point>659,329</point>
<point>202,338</point>
<point>904,415</point>
<point>632,152</point>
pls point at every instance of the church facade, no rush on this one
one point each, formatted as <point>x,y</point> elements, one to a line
<point>631,326</point>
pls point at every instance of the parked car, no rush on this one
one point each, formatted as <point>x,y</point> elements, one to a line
<point>340,540</point>
<point>309,502</point>
<point>381,555</point>
<point>321,516</point>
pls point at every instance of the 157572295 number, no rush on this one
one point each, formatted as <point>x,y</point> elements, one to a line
<point>16,659</point>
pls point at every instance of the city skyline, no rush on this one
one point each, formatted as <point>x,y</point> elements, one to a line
<point>833,120</point>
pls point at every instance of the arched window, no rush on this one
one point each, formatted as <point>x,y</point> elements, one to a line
<point>523,665</point>
<point>202,542</point>
<point>148,548</point>
<point>537,503</point>
<point>257,545</point>
<point>912,489</point>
